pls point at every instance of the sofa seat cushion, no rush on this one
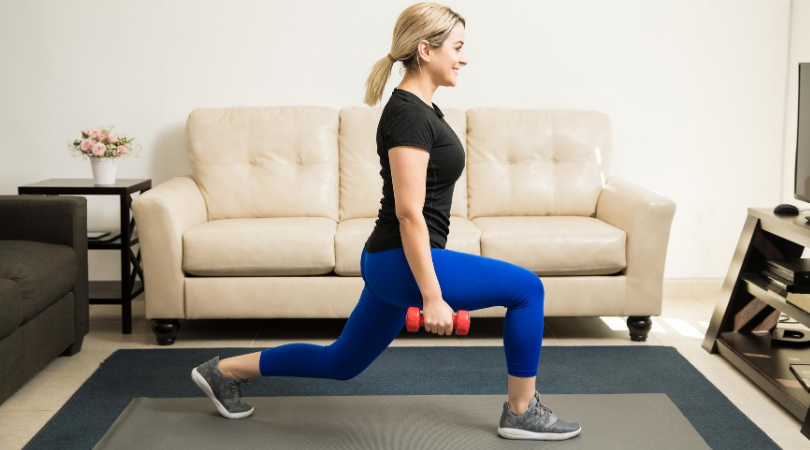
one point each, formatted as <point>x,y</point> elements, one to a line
<point>10,307</point>
<point>351,236</point>
<point>281,246</point>
<point>554,245</point>
<point>44,272</point>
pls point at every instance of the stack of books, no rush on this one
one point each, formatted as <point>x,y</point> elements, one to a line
<point>790,276</point>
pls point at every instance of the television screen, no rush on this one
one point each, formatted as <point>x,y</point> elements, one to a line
<point>802,180</point>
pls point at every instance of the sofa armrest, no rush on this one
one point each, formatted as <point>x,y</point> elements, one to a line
<point>53,219</point>
<point>162,215</point>
<point>646,217</point>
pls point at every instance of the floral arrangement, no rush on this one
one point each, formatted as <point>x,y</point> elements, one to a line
<point>102,143</point>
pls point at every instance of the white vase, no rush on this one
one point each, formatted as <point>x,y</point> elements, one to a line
<point>103,170</point>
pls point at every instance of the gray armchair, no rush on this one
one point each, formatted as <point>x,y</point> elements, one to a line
<point>44,298</point>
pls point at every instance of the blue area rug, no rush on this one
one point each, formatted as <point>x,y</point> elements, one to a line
<point>165,373</point>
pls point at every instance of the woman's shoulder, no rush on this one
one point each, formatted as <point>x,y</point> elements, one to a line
<point>398,108</point>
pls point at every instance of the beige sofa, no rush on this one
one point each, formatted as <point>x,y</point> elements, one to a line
<point>273,220</point>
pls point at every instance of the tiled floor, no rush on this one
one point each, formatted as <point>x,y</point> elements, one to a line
<point>681,325</point>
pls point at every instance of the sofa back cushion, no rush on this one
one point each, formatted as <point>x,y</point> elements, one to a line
<point>360,180</point>
<point>279,161</point>
<point>523,162</point>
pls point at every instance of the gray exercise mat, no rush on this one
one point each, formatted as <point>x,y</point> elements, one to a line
<point>609,422</point>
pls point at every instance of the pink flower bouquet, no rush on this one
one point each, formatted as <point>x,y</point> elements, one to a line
<point>102,143</point>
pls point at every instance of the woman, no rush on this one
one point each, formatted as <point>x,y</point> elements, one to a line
<point>404,262</point>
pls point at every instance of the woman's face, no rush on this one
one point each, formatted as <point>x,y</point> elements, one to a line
<point>447,60</point>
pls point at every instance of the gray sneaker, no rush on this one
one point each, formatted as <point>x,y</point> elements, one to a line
<point>223,391</point>
<point>535,423</point>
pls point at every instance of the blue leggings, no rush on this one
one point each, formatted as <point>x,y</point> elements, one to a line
<point>468,282</point>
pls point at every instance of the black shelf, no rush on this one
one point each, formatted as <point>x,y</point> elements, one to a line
<point>768,366</point>
<point>749,307</point>
<point>112,292</point>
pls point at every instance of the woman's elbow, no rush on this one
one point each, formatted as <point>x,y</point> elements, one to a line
<point>408,215</point>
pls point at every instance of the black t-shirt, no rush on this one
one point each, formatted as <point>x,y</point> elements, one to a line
<point>407,120</point>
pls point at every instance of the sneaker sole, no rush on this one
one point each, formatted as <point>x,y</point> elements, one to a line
<point>514,433</point>
<point>200,381</point>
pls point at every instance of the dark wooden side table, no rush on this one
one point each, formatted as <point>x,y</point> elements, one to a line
<point>747,311</point>
<point>107,292</point>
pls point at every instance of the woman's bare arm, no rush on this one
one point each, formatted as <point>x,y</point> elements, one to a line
<point>409,175</point>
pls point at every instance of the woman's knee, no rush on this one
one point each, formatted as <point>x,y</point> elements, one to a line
<point>348,370</point>
<point>532,281</point>
<point>532,288</point>
<point>342,366</point>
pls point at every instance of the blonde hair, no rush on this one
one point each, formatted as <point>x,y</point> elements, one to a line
<point>423,21</point>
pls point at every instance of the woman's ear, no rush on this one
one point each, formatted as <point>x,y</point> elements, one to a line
<point>426,47</point>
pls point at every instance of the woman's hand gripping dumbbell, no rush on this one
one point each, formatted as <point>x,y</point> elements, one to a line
<point>415,319</point>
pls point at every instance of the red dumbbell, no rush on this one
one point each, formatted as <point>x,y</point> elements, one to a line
<point>414,320</point>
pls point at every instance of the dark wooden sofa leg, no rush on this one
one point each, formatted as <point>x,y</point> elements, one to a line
<point>639,327</point>
<point>165,330</point>
<point>74,348</point>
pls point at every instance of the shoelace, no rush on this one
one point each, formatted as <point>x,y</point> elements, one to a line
<point>542,408</point>
<point>239,384</point>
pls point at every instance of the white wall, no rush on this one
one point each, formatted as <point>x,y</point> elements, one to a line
<point>696,89</point>
<point>799,53</point>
